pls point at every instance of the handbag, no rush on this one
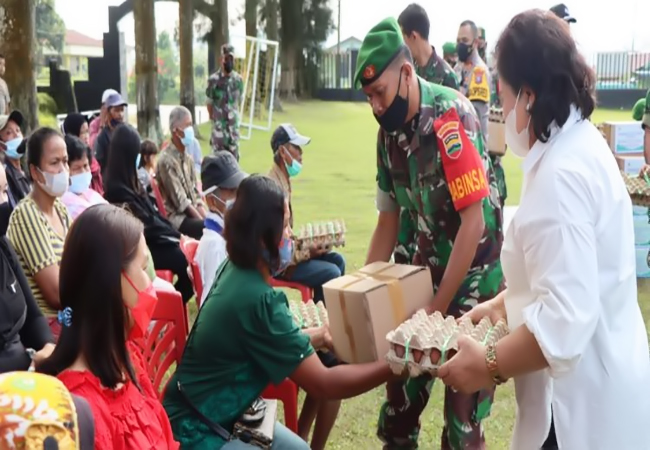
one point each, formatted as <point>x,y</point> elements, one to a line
<point>254,429</point>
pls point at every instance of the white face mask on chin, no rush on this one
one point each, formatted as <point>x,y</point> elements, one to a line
<point>519,143</point>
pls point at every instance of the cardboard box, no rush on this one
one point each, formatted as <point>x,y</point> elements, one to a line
<point>363,307</point>
<point>496,138</point>
<point>624,137</point>
<point>630,164</point>
<point>642,267</point>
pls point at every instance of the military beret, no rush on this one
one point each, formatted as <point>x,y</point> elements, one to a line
<point>639,109</point>
<point>380,47</point>
<point>449,48</point>
<point>227,49</point>
<point>481,32</point>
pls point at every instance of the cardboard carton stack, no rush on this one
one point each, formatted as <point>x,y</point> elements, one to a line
<point>364,306</point>
<point>626,142</point>
<point>496,132</point>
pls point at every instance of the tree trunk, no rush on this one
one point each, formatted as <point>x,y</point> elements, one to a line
<point>185,33</point>
<point>272,35</point>
<point>146,71</point>
<point>288,80</point>
<point>219,29</point>
<point>18,44</point>
<point>250,16</point>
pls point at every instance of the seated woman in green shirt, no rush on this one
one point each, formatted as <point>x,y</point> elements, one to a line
<point>244,336</point>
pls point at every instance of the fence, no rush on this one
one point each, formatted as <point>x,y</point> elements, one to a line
<point>336,77</point>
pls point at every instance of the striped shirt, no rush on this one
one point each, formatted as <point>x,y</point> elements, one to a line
<point>37,244</point>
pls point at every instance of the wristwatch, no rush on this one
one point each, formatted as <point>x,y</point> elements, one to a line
<point>492,366</point>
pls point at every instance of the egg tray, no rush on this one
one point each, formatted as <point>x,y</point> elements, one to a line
<point>424,342</point>
<point>638,189</point>
<point>496,115</point>
<point>309,314</point>
<point>325,235</point>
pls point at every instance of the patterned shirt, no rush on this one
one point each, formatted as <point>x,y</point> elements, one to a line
<point>443,168</point>
<point>37,244</point>
<point>78,203</point>
<point>438,71</point>
<point>177,182</point>
<point>224,93</point>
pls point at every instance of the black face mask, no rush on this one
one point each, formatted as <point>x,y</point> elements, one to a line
<point>227,66</point>
<point>5,212</point>
<point>395,115</point>
<point>464,51</point>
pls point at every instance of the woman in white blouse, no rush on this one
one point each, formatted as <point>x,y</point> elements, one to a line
<point>577,349</point>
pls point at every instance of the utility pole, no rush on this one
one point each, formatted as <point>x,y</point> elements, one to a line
<point>338,50</point>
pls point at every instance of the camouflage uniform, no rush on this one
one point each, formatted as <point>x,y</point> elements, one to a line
<point>475,84</point>
<point>224,93</point>
<point>440,72</point>
<point>412,174</point>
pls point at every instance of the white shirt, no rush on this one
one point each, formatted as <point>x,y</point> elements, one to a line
<point>569,263</point>
<point>210,253</point>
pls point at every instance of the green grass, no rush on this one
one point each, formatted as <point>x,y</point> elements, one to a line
<point>338,181</point>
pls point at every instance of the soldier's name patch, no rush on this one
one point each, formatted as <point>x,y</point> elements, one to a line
<point>467,184</point>
<point>449,135</point>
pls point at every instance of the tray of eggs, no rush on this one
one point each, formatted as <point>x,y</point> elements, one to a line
<point>323,235</point>
<point>424,342</point>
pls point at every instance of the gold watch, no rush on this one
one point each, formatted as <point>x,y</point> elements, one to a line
<point>492,366</point>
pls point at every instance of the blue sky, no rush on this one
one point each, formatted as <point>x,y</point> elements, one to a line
<point>606,28</point>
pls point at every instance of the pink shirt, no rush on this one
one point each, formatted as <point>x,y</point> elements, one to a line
<point>77,204</point>
<point>94,128</point>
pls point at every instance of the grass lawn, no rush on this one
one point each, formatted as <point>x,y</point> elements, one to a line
<point>338,181</point>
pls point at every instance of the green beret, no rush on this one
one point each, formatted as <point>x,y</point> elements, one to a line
<point>639,109</point>
<point>449,48</point>
<point>379,48</point>
<point>481,33</point>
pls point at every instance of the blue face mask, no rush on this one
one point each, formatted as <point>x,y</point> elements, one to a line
<point>294,168</point>
<point>12,148</point>
<point>137,161</point>
<point>80,183</point>
<point>188,137</point>
<point>284,258</point>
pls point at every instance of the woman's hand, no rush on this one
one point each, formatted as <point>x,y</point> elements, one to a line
<point>42,354</point>
<point>494,309</point>
<point>467,370</point>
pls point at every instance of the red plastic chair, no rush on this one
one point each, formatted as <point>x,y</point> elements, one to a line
<point>166,275</point>
<point>287,393</point>
<point>189,247</point>
<point>159,198</point>
<point>165,341</point>
<point>305,292</point>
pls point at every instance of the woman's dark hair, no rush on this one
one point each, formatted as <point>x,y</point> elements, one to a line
<point>536,52</point>
<point>122,154</point>
<point>76,149</point>
<point>256,222</point>
<point>36,144</point>
<point>101,243</point>
<point>147,149</point>
<point>72,124</point>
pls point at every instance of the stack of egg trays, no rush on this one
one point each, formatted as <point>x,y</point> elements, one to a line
<point>325,234</point>
<point>638,188</point>
<point>309,314</point>
<point>423,343</point>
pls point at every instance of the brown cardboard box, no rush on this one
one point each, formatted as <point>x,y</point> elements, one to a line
<point>630,164</point>
<point>496,138</point>
<point>363,307</point>
<point>624,137</point>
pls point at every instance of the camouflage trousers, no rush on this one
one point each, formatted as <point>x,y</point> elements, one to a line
<point>406,246</point>
<point>500,175</point>
<point>399,418</point>
<point>225,138</point>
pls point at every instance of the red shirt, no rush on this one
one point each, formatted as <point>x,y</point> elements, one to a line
<point>126,418</point>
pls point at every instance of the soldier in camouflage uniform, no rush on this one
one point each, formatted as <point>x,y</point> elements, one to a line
<point>224,93</point>
<point>414,23</point>
<point>482,45</point>
<point>449,54</point>
<point>475,85</point>
<point>431,160</point>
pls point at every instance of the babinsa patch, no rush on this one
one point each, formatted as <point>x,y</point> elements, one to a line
<point>449,135</point>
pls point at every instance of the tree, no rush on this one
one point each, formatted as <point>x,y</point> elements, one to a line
<point>291,37</point>
<point>50,28</point>
<point>185,41</point>
<point>317,24</point>
<point>18,45</point>
<point>214,31</point>
<point>167,68</point>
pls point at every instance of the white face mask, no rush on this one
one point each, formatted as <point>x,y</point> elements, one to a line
<point>519,143</point>
<point>56,184</point>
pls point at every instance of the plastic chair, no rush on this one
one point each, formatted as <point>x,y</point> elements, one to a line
<point>166,275</point>
<point>287,393</point>
<point>159,198</point>
<point>189,247</point>
<point>165,341</point>
<point>305,291</point>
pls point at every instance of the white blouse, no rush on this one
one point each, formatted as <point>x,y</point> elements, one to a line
<point>569,263</point>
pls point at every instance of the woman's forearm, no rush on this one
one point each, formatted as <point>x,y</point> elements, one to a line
<point>346,381</point>
<point>519,353</point>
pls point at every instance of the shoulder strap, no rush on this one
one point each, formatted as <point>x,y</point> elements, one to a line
<point>213,426</point>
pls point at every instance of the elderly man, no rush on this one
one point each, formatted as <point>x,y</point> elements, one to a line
<point>429,144</point>
<point>177,177</point>
<point>11,138</point>
<point>225,91</point>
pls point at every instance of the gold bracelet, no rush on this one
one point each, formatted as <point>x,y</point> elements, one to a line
<point>492,366</point>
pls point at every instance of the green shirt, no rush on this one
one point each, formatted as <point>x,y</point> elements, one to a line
<point>243,339</point>
<point>646,114</point>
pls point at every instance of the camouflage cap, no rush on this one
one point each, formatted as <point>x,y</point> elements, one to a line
<point>227,49</point>
<point>379,48</point>
<point>639,109</point>
<point>449,48</point>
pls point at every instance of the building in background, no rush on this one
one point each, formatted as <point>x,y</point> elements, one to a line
<point>76,51</point>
